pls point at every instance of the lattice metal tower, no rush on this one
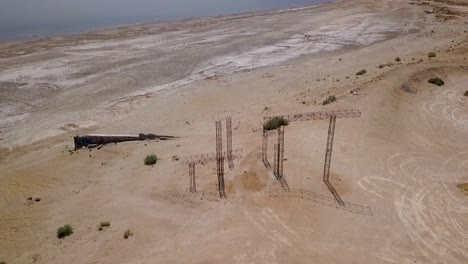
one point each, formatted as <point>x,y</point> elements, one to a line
<point>193,184</point>
<point>220,159</point>
<point>280,151</point>
<point>275,161</point>
<point>265,149</point>
<point>229,142</point>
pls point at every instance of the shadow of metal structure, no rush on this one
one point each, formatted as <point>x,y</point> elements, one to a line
<point>321,199</point>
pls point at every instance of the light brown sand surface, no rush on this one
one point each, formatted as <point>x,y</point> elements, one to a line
<point>402,159</point>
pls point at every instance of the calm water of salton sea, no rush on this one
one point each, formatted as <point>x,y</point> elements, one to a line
<point>20,19</point>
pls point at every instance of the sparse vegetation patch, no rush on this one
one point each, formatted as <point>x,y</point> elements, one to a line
<point>151,159</point>
<point>275,122</point>
<point>330,99</point>
<point>437,81</point>
<point>102,225</point>
<point>128,234</point>
<point>361,72</point>
<point>431,54</point>
<point>64,231</point>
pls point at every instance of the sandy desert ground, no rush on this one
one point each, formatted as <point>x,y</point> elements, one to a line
<point>397,167</point>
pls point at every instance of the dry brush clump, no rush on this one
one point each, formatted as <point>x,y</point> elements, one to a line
<point>102,225</point>
<point>128,234</point>
<point>431,55</point>
<point>361,72</point>
<point>275,122</point>
<point>64,231</point>
<point>151,159</point>
<point>330,99</point>
<point>437,81</point>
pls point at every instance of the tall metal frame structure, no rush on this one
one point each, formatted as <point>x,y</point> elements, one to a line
<point>279,147</point>
<point>280,151</point>
<point>219,156</point>
<point>204,159</point>
<point>275,161</point>
<point>193,184</point>
<point>229,142</point>
<point>220,160</point>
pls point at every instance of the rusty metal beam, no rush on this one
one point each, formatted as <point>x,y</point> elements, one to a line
<point>229,142</point>
<point>193,184</point>
<point>320,115</point>
<point>210,157</point>
<point>220,160</point>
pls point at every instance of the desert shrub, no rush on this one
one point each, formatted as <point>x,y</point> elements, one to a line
<point>437,81</point>
<point>361,72</point>
<point>2,262</point>
<point>397,59</point>
<point>330,99</point>
<point>128,234</point>
<point>151,159</point>
<point>103,224</point>
<point>275,123</point>
<point>64,231</point>
<point>431,54</point>
<point>466,93</point>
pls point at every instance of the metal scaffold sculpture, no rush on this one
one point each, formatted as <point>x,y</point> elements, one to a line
<point>220,159</point>
<point>279,147</point>
<point>229,142</point>
<point>193,184</point>
<point>265,149</point>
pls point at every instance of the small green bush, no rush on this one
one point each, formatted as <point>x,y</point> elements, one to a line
<point>361,72</point>
<point>437,81</point>
<point>466,93</point>
<point>64,231</point>
<point>275,123</point>
<point>329,100</point>
<point>151,159</point>
<point>397,59</point>
<point>431,54</point>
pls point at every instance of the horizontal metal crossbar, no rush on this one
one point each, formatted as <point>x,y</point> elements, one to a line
<point>320,115</point>
<point>321,199</point>
<point>211,157</point>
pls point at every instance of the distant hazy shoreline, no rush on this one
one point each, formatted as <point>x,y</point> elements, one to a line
<point>10,34</point>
